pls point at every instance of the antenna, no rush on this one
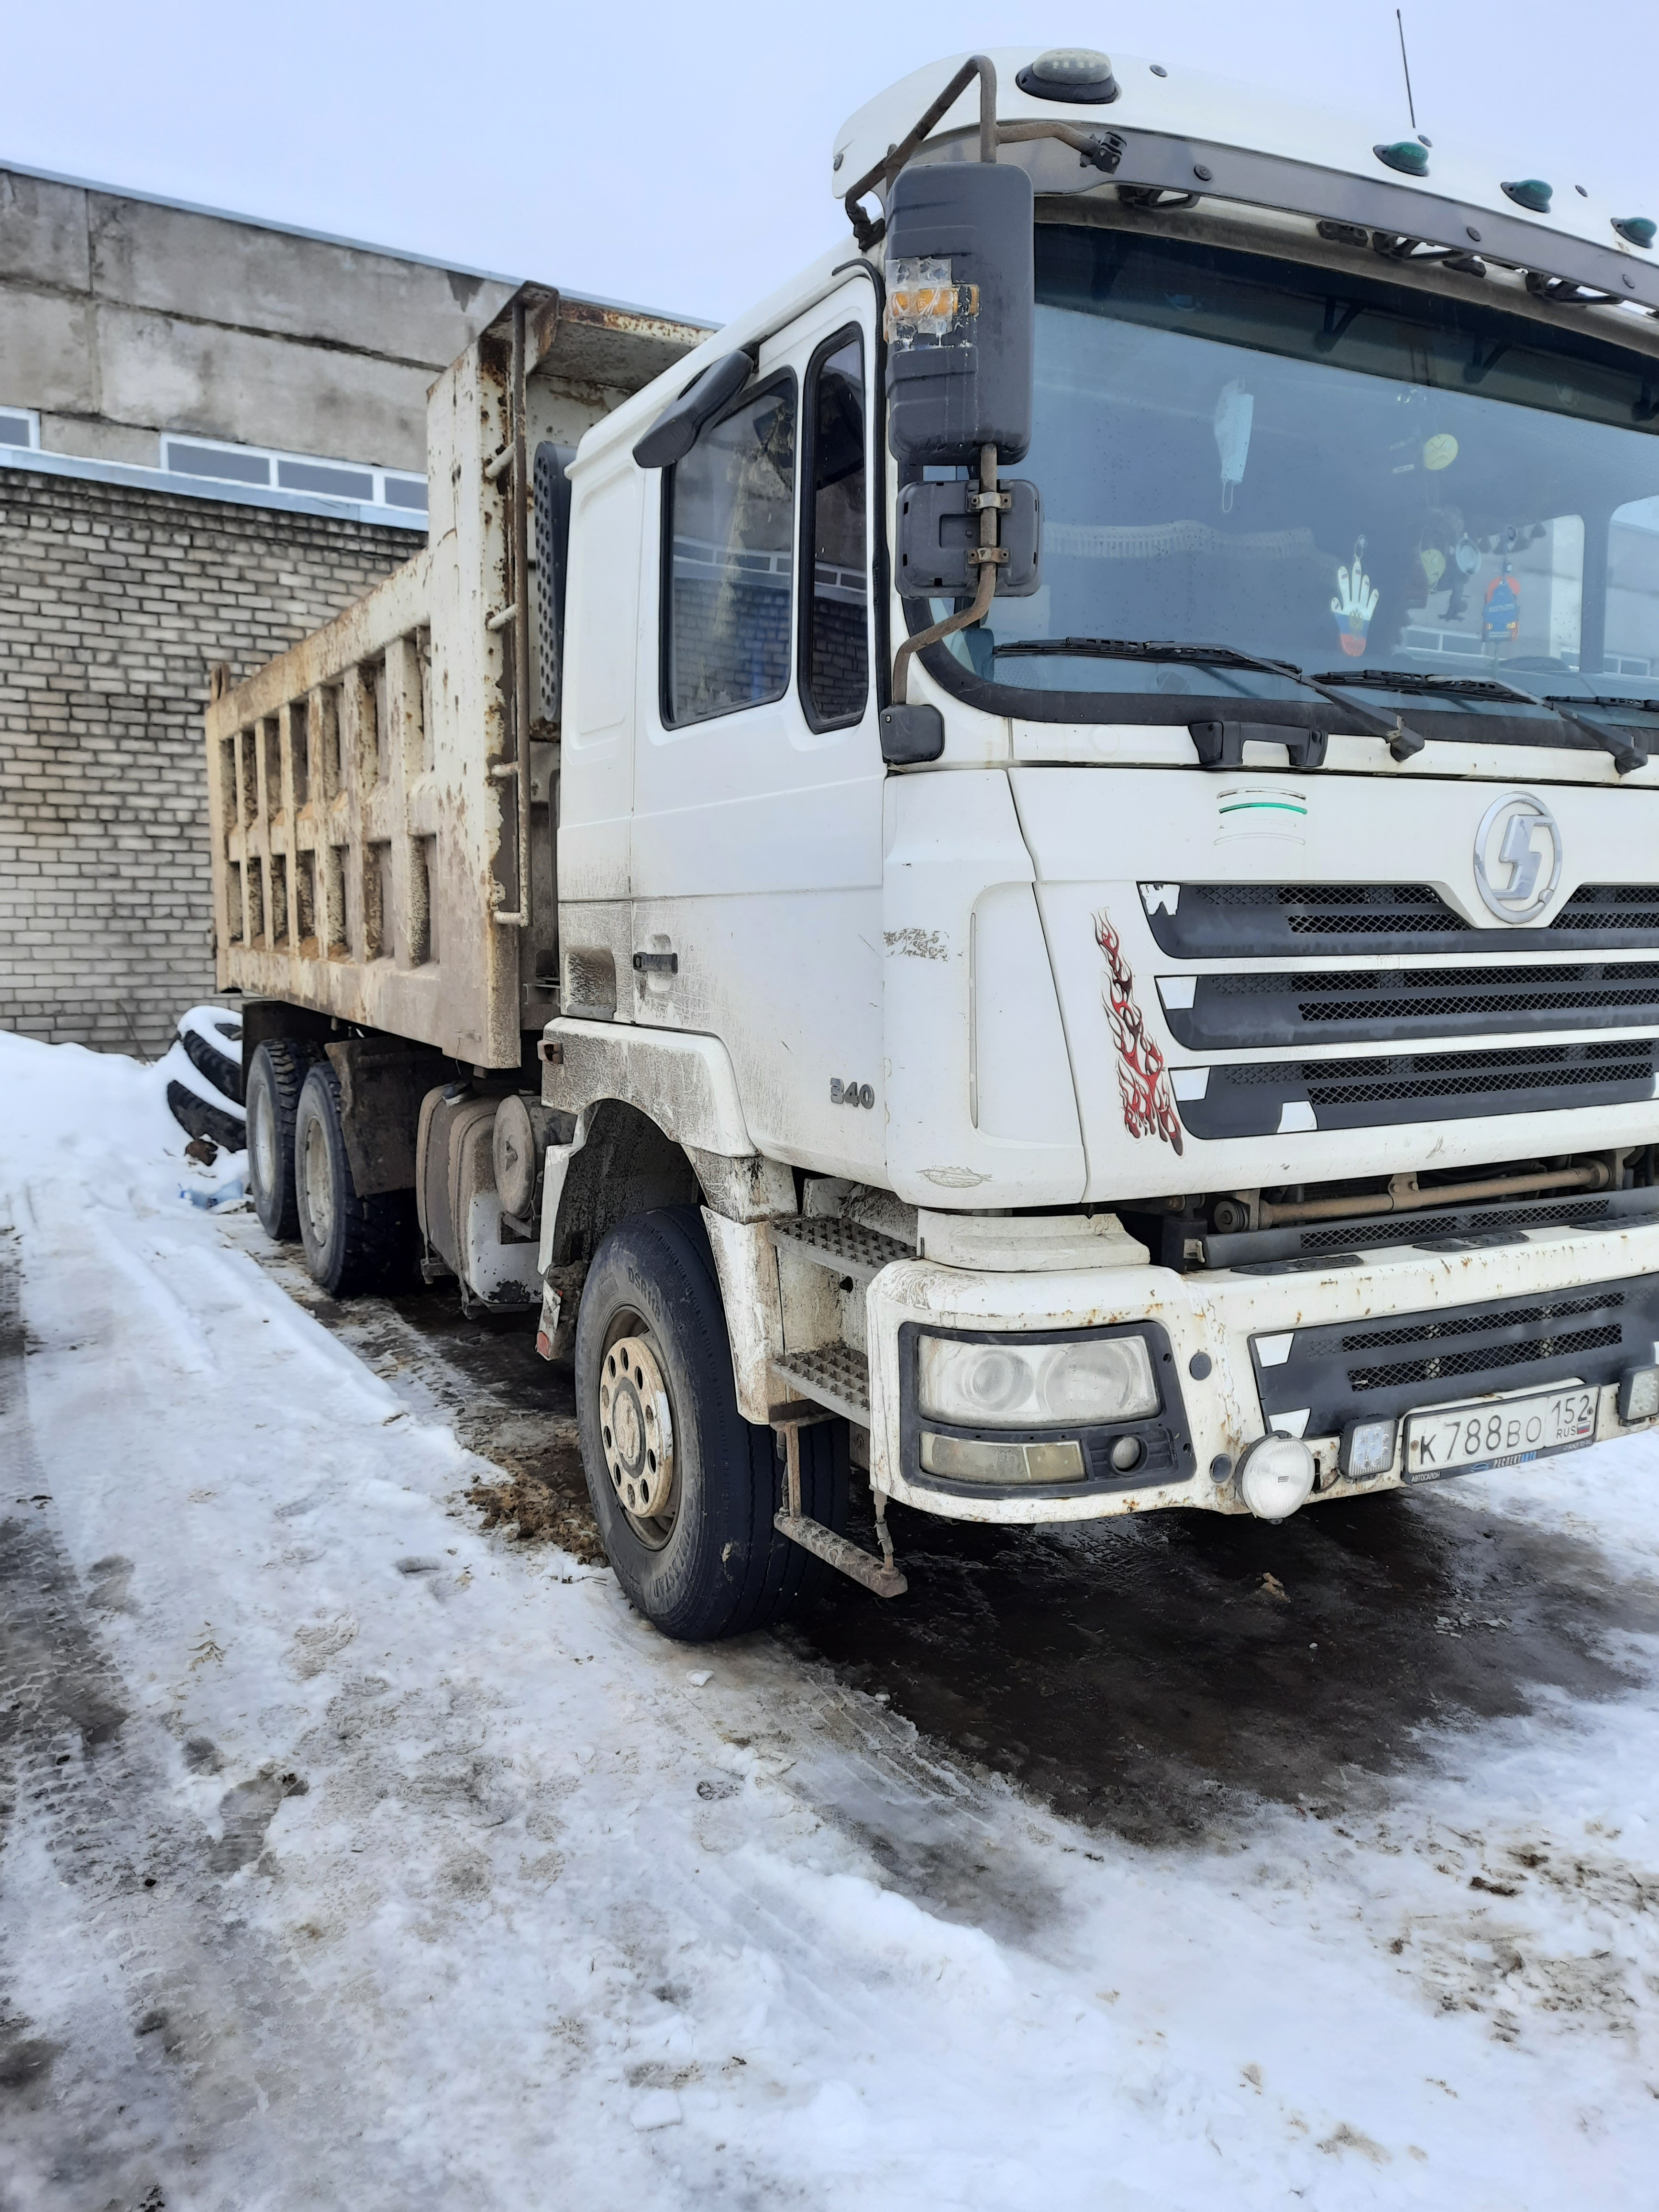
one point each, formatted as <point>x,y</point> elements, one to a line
<point>1409,103</point>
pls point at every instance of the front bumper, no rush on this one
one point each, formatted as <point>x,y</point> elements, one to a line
<point>1212,1393</point>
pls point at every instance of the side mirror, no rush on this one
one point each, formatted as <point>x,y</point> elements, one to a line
<point>961,321</point>
<point>674,433</point>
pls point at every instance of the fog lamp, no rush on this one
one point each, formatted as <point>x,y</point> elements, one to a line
<point>1366,1450</point>
<point>969,1459</point>
<point>1276,1477</point>
<point>1011,1384</point>
<point>1638,1393</point>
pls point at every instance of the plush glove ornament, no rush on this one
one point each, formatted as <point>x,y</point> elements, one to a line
<point>1353,606</point>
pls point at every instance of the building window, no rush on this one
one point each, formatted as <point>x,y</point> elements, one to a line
<point>207,460</point>
<point>18,426</point>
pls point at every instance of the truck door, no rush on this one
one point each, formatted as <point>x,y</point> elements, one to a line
<point>756,855</point>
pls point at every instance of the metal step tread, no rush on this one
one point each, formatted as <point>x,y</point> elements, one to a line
<point>832,1375</point>
<point>846,1557</point>
<point>845,1247</point>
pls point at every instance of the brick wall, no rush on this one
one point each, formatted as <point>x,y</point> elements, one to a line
<point>113,606</point>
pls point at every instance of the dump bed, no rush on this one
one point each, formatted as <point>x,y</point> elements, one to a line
<point>382,796</point>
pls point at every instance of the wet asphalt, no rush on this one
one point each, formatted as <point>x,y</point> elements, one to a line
<point>1158,1677</point>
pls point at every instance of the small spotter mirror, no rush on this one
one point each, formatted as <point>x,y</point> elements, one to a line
<point>674,433</point>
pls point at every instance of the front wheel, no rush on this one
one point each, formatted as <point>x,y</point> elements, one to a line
<point>684,1488</point>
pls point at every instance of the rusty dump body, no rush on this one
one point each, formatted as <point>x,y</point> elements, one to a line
<point>379,794</point>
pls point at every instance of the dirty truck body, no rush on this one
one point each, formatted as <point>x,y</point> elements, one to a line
<point>1033,868</point>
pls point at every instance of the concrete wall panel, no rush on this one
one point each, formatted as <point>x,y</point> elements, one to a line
<point>46,359</point>
<point>43,231</point>
<point>220,382</point>
<point>180,264</point>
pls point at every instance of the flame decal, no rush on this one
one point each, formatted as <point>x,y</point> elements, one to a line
<point>1149,1107</point>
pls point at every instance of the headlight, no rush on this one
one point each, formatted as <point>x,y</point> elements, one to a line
<point>1013,1385</point>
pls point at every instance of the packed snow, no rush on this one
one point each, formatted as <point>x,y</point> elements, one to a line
<point>355,1856</point>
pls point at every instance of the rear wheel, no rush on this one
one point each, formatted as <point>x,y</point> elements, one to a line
<point>274,1079</point>
<point>351,1244</point>
<point>684,1488</point>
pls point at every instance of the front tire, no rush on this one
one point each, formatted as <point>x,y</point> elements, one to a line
<point>274,1079</point>
<point>683,1487</point>
<point>351,1244</point>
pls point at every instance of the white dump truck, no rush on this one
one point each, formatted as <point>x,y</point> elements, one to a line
<point>1033,873</point>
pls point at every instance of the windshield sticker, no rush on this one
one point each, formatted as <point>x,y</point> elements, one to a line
<point>1234,411</point>
<point>1500,618</point>
<point>1440,451</point>
<point>1143,1081</point>
<point>1434,565</point>
<point>1354,605</point>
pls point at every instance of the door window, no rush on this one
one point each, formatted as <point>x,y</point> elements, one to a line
<point>834,596</point>
<point>729,525</point>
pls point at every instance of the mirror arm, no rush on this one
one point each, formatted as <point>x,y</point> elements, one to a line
<point>886,170</point>
<point>988,556</point>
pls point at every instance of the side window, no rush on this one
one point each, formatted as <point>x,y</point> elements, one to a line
<point>730,523</point>
<point>834,598</point>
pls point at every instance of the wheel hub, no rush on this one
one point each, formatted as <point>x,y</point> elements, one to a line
<point>637,1429</point>
<point>315,1188</point>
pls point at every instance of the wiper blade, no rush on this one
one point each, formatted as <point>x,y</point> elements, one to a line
<point>1627,756</point>
<point>1402,742</point>
<point>1136,648</point>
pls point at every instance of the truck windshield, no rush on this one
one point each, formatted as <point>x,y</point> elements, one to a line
<point>1342,473</point>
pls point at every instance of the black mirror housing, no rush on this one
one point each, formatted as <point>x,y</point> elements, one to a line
<point>674,433</point>
<point>953,389</point>
<point>936,527</point>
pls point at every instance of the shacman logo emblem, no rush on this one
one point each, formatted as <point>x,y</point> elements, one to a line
<point>1517,857</point>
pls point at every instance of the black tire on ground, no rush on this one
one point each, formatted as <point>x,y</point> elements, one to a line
<point>711,1563</point>
<point>351,1244</point>
<point>217,1123</point>
<point>220,1069</point>
<point>274,1083</point>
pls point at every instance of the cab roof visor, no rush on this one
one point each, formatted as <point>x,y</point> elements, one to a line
<point>676,430</point>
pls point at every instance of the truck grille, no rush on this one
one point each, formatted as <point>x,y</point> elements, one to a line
<point>1304,1244</point>
<point>1237,921</point>
<point>1272,1097</point>
<point>1242,1012</point>
<point>1589,1334</point>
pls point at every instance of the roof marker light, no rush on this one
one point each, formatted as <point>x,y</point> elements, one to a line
<point>1639,229</point>
<point>1530,192</point>
<point>1407,155</point>
<point>1076,73</point>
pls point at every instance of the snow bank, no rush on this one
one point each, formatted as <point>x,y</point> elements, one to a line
<point>466,1891</point>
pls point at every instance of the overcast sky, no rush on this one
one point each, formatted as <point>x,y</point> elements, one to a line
<point>679,156</point>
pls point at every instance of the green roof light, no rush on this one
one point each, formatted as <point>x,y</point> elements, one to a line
<point>1639,229</point>
<point>1530,192</point>
<point>1406,155</point>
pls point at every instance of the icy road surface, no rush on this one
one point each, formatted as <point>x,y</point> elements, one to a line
<point>356,1856</point>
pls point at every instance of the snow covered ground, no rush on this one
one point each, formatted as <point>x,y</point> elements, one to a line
<point>352,1856</point>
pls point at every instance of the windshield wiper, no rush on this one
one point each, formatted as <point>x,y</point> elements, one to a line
<point>1627,756</point>
<point>1402,742</point>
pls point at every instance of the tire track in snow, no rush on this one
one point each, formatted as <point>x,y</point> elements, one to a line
<point>150,2065</point>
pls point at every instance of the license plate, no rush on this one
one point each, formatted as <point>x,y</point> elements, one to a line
<point>1461,1439</point>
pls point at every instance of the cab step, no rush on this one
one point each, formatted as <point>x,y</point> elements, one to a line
<point>844,1248</point>
<point>833,1376</point>
<point>883,1577</point>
